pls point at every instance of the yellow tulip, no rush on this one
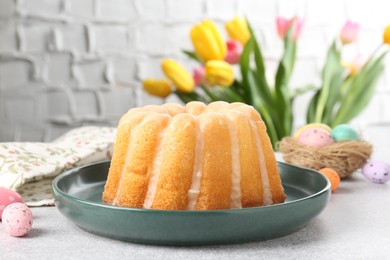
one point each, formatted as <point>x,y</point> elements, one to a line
<point>386,35</point>
<point>238,29</point>
<point>219,73</point>
<point>208,41</point>
<point>180,77</point>
<point>159,88</point>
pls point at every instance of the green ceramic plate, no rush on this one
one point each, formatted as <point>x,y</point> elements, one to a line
<point>78,197</point>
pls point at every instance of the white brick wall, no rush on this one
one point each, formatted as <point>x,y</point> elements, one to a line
<point>7,9</point>
<point>326,13</point>
<point>41,7</point>
<point>124,70</point>
<point>117,34</point>
<point>155,39</point>
<point>15,73</point>
<point>289,8</point>
<point>258,11</point>
<point>59,104</point>
<point>86,105</point>
<point>35,36</point>
<point>58,69</point>
<point>221,9</point>
<point>91,73</point>
<point>65,63</point>
<point>79,8</point>
<point>115,10</point>
<point>113,102</point>
<point>73,38</point>
<point>20,108</point>
<point>189,10</point>
<point>151,10</point>
<point>8,37</point>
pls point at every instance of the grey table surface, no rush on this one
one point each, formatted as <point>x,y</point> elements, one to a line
<point>354,225</point>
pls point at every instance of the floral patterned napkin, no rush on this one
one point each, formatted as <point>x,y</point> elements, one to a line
<point>29,168</point>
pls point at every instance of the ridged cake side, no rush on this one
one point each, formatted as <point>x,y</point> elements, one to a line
<point>195,157</point>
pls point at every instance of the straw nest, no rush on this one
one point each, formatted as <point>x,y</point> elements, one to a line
<point>344,157</point>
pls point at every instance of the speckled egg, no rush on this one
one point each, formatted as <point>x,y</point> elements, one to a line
<point>17,219</point>
<point>333,177</point>
<point>315,137</point>
<point>7,197</point>
<point>343,133</point>
<point>312,125</point>
<point>376,171</point>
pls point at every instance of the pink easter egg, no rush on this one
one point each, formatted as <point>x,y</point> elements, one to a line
<point>17,219</point>
<point>7,197</point>
<point>315,137</point>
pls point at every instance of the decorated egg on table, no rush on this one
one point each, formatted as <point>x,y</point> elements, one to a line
<point>7,197</point>
<point>17,219</point>
<point>315,137</point>
<point>313,125</point>
<point>376,171</point>
<point>333,177</point>
<point>344,132</point>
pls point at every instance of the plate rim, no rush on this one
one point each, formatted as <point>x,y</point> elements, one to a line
<point>156,211</point>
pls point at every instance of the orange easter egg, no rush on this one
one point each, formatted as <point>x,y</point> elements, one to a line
<point>333,177</point>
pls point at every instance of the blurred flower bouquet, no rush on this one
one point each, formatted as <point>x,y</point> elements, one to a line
<point>345,91</point>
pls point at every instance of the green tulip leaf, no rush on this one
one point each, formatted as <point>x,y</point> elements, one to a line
<point>222,93</point>
<point>360,90</point>
<point>245,67</point>
<point>332,69</point>
<point>188,97</point>
<point>301,90</point>
<point>192,55</point>
<point>311,109</point>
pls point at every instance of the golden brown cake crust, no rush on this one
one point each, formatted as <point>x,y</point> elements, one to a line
<point>198,156</point>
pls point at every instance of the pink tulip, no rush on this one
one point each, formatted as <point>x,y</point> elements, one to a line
<point>283,24</point>
<point>234,50</point>
<point>349,32</point>
<point>199,76</point>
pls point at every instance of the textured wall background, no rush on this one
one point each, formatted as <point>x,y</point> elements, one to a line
<point>66,63</point>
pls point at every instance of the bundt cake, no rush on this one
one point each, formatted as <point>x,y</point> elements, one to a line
<point>197,157</point>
